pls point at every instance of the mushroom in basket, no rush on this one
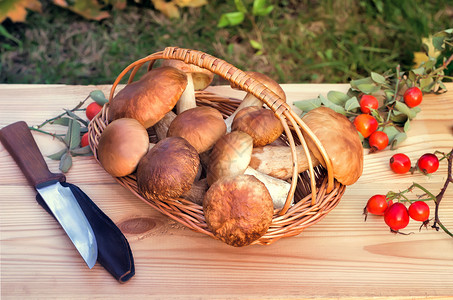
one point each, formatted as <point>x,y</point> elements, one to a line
<point>168,169</point>
<point>338,136</point>
<point>231,155</point>
<point>151,97</point>
<point>250,99</point>
<point>238,209</point>
<point>121,146</point>
<point>197,79</point>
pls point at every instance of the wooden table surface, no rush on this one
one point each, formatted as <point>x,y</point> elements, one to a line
<point>340,257</point>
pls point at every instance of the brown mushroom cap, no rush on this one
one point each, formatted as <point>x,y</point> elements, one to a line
<point>230,156</point>
<point>201,126</point>
<point>149,98</point>
<point>238,210</point>
<point>202,78</point>
<point>260,123</point>
<point>168,169</point>
<point>341,141</point>
<point>121,146</point>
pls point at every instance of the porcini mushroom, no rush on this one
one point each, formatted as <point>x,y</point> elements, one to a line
<point>151,97</point>
<point>121,146</point>
<point>231,156</point>
<point>201,126</point>
<point>250,99</point>
<point>197,79</point>
<point>258,122</point>
<point>161,127</point>
<point>168,169</point>
<point>238,209</point>
<point>337,135</point>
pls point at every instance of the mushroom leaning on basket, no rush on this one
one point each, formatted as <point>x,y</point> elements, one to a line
<point>339,138</point>
<point>250,99</point>
<point>231,156</point>
<point>151,97</point>
<point>238,209</point>
<point>197,79</point>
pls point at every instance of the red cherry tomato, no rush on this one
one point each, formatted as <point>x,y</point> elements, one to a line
<point>368,102</point>
<point>400,163</point>
<point>378,140</point>
<point>92,110</point>
<point>413,96</point>
<point>396,217</point>
<point>365,124</point>
<point>377,205</point>
<point>428,163</point>
<point>84,141</point>
<point>419,211</point>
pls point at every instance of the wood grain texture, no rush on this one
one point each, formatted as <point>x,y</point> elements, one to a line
<point>340,257</point>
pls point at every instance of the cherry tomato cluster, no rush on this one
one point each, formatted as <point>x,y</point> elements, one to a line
<point>397,215</point>
<point>367,125</point>
<point>400,163</point>
<point>91,111</point>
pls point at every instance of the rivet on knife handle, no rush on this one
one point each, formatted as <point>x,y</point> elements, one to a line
<point>20,143</point>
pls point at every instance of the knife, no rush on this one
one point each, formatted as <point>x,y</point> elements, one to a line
<point>19,142</point>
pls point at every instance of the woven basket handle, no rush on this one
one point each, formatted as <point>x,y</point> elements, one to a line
<point>250,85</point>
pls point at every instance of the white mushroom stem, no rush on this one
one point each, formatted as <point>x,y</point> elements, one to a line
<point>278,189</point>
<point>249,100</point>
<point>187,99</point>
<point>162,126</point>
<point>276,161</point>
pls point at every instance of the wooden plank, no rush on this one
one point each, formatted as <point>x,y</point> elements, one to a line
<point>340,257</point>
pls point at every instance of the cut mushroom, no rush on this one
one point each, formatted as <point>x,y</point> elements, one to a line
<point>231,156</point>
<point>150,98</point>
<point>250,99</point>
<point>121,146</point>
<point>201,126</point>
<point>168,170</point>
<point>258,122</point>
<point>197,79</point>
<point>338,136</point>
<point>238,210</point>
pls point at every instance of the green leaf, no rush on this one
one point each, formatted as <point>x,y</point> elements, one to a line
<point>377,116</point>
<point>391,132</point>
<point>57,155</point>
<point>65,162</point>
<point>398,139</point>
<point>76,117</point>
<point>407,126</point>
<point>438,42</point>
<point>398,117</point>
<point>82,151</point>
<point>72,138</point>
<point>307,105</point>
<point>240,6</point>
<point>352,104</point>
<point>355,83</point>
<point>403,108</point>
<point>231,19</point>
<point>378,78</point>
<point>260,8</point>
<point>368,88</point>
<point>61,121</point>
<point>7,35</point>
<point>256,45</point>
<point>331,105</point>
<point>426,82</point>
<point>99,97</point>
<point>337,97</point>
<point>419,71</point>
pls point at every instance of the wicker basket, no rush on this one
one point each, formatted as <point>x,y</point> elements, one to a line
<point>315,191</point>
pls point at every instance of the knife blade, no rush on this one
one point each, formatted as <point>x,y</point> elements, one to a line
<point>19,142</point>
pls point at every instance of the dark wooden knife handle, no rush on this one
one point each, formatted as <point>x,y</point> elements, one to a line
<point>19,142</point>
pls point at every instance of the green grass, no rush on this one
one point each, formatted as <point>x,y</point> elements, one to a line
<point>304,41</point>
